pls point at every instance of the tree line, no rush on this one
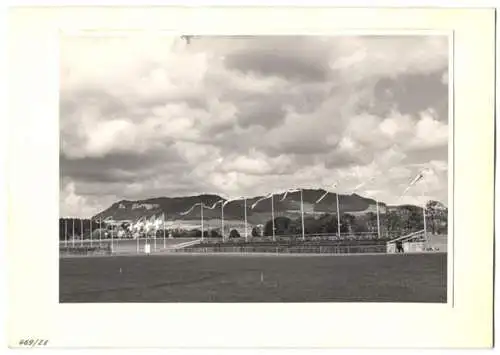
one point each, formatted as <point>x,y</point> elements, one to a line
<point>397,222</point>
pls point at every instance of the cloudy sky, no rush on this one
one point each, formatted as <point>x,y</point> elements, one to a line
<point>151,116</point>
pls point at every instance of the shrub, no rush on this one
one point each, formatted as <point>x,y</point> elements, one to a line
<point>234,234</point>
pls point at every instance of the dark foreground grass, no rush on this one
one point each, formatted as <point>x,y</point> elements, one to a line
<point>225,278</point>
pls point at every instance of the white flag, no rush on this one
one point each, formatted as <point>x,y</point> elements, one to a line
<point>370,180</point>
<point>215,204</point>
<point>192,207</point>
<point>159,222</point>
<point>287,192</point>
<point>322,197</point>
<point>261,199</point>
<point>326,193</point>
<point>151,223</point>
<point>139,223</point>
<point>414,181</point>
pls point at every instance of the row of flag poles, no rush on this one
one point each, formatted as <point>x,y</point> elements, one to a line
<point>82,230</point>
<point>154,223</point>
<point>151,223</point>
<point>270,196</point>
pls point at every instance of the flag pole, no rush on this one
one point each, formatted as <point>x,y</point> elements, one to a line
<point>378,220</point>
<point>202,231</point>
<point>302,213</point>
<point>246,228</point>
<point>272,215</point>
<point>222,215</point>
<point>90,230</point>
<point>272,210</point>
<point>164,232</point>
<point>338,215</point>
<point>81,231</point>
<point>156,232</point>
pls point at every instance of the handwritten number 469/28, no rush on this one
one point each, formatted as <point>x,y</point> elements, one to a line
<point>33,342</point>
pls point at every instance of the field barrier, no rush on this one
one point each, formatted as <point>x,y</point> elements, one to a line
<point>97,249</point>
<point>319,249</point>
<point>196,246</point>
<point>121,246</point>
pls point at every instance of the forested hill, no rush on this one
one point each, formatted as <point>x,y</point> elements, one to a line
<point>174,206</point>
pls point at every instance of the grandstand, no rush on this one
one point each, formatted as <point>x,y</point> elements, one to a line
<point>419,242</point>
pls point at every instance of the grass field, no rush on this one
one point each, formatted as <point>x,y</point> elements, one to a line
<point>229,278</point>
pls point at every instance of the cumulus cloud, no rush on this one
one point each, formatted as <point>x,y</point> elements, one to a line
<point>146,116</point>
<point>73,204</point>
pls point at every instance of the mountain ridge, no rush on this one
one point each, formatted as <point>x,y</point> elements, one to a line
<point>172,207</point>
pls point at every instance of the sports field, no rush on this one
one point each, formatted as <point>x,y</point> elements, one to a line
<point>233,278</point>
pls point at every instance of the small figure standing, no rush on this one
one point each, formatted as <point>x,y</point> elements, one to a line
<point>399,246</point>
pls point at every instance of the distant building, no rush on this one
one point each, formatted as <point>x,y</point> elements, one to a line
<point>147,206</point>
<point>371,209</point>
<point>112,222</point>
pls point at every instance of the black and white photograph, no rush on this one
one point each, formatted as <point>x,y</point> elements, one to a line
<point>254,168</point>
<point>271,178</point>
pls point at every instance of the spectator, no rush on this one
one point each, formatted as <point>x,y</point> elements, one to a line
<point>399,247</point>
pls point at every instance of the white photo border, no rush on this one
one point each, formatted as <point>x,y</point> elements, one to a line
<point>34,309</point>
